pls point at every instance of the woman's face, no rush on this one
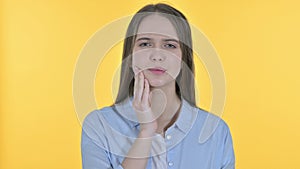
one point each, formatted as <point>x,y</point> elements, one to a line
<point>156,51</point>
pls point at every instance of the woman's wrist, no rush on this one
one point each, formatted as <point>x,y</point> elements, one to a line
<point>146,133</point>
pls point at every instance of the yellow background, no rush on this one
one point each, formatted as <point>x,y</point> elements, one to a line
<point>257,42</point>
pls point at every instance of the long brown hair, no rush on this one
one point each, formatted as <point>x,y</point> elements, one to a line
<point>185,86</point>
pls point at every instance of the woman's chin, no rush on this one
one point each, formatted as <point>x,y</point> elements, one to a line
<point>156,83</point>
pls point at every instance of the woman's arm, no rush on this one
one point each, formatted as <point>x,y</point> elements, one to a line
<point>138,155</point>
<point>93,155</point>
<point>228,151</point>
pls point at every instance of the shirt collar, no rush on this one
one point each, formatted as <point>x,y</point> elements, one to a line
<point>184,121</point>
<point>186,116</point>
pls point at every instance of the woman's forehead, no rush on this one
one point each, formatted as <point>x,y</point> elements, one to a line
<point>157,25</point>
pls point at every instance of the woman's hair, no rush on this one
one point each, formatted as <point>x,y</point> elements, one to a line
<point>185,80</point>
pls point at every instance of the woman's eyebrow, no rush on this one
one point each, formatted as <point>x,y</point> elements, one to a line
<point>173,40</point>
<point>166,40</point>
<point>143,38</point>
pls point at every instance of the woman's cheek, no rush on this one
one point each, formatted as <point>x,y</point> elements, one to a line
<point>175,68</point>
<point>139,59</point>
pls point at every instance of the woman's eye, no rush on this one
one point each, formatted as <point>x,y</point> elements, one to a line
<point>170,46</point>
<point>145,44</point>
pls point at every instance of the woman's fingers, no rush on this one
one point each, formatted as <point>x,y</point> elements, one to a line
<point>141,103</point>
<point>141,92</point>
<point>140,87</point>
<point>145,99</point>
<point>136,82</point>
<point>135,85</point>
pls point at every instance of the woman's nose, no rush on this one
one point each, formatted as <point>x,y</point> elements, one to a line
<point>157,56</point>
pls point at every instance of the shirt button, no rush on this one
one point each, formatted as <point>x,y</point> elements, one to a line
<point>170,164</point>
<point>169,137</point>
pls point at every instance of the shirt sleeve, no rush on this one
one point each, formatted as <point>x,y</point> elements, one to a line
<point>93,155</point>
<point>228,155</point>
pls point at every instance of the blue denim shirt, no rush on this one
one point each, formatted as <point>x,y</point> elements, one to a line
<point>197,140</point>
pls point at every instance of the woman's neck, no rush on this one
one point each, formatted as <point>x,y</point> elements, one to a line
<point>171,103</point>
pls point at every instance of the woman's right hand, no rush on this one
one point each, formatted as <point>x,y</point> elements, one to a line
<point>142,106</point>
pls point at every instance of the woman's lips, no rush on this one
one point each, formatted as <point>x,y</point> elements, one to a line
<point>157,71</point>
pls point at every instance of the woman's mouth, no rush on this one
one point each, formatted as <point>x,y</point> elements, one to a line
<point>157,71</point>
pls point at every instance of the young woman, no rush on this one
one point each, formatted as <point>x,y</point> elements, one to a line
<point>154,122</point>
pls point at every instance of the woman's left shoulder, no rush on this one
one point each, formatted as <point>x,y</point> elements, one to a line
<point>210,117</point>
<point>211,125</point>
